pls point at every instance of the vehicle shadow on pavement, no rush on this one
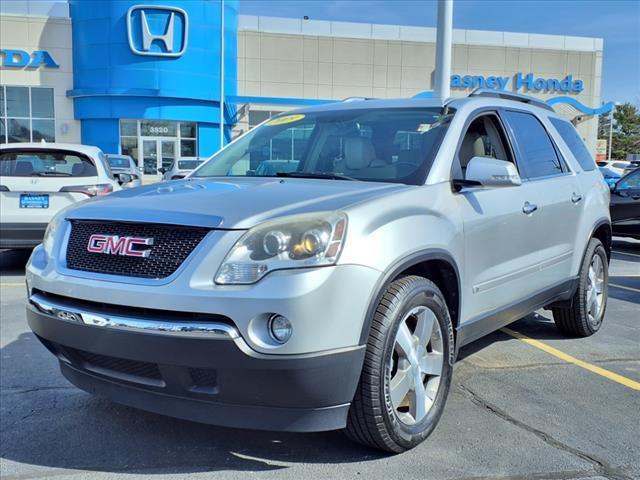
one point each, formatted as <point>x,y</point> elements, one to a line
<point>49,423</point>
<point>12,262</point>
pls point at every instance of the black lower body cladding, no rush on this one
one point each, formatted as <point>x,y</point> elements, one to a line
<point>205,380</point>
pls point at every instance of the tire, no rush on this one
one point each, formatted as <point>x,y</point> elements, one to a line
<point>380,416</point>
<point>579,320</point>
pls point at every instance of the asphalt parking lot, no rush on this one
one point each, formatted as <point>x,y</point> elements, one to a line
<point>534,407</point>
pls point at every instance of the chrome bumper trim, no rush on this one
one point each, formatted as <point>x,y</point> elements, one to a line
<point>78,315</point>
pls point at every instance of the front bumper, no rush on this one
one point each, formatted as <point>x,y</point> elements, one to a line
<point>21,235</point>
<point>209,377</point>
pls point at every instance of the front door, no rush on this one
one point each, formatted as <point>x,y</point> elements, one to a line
<point>157,153</point>
<point>497,232</point>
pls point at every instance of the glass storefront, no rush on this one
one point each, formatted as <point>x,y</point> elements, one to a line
<point>26,114</point>
<point>155,144</point>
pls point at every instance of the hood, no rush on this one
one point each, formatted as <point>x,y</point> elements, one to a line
<point>233,203</point>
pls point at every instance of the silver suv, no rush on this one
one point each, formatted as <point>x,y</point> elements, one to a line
<point>336,294</point>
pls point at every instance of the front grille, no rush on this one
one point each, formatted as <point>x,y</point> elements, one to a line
<point>171,246</point>
<point>93,361</point>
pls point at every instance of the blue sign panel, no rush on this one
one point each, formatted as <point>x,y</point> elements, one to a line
<point>151,59</point>
<point>22,59</point>
<point>520,81</point>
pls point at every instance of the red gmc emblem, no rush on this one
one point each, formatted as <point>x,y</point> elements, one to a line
<point>116,245</point>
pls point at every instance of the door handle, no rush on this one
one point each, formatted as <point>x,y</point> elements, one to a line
<point>529,208</point>
<point>575,198</point>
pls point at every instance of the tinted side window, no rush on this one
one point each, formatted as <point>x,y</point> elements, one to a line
<point>575,143</point>
<point>630,182</point>
<point>539,157</point>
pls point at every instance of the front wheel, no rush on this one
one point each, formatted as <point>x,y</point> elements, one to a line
<point>584,317</point>
<point>407,369</point>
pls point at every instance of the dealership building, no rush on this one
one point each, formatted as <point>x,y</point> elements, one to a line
<point>145,78</point>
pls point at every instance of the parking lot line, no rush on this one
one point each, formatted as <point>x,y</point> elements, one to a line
<point>627,382</point>
<point>624,287</point>
<point>625,253</point>
<point>2,285</point>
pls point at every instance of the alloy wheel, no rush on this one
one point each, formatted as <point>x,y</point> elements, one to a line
<point>416,365</point>
<point>595,291</point>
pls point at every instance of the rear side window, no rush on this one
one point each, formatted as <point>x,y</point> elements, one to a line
<point>575,143</point>
<point>45,163</point>
<point>538,156</point>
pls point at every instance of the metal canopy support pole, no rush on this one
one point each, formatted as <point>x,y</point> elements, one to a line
<point>221,74</point>
<point>443,49</point>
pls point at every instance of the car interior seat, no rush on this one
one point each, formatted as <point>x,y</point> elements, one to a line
<point>23,169</point>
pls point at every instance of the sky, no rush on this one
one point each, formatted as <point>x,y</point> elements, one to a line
<point>616,21</point>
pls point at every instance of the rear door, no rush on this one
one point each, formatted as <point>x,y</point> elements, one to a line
<point>33,182</point>
<point>553,195</point>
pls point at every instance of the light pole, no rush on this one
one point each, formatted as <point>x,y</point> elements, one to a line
<point>221,103</point>
<point>442,78</point>
<point>611,128</point>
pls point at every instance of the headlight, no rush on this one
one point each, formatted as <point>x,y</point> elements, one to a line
<point>294,242</point>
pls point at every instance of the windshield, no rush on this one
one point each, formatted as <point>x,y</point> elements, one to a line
<point>45,163</point>
<point>188,164</point>
<point>381,145</point>
<point>119,162</point>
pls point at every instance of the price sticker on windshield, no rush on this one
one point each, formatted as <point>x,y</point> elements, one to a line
<point>285,120</point>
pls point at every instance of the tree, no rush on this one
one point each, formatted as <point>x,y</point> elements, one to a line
<point>626,130</point>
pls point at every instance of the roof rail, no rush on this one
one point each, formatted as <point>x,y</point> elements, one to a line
<point>517,97</point>
<point>355,99</point>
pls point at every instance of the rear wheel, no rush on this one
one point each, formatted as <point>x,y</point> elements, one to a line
<point>589,303</point>
<point>407,368</point>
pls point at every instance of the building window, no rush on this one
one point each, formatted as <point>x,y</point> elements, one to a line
<point>256,117</point>
<point>26,114</point>
<point>188,139</point>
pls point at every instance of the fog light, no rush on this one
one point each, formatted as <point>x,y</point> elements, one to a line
<point>280,328</point>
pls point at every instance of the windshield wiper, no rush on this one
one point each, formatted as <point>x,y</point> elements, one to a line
<point>51,174</point>
<point>325,176</point>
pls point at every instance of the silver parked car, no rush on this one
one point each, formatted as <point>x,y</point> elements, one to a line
<point>124,164</point>
<point>336,295</point>
<point>180,168</point>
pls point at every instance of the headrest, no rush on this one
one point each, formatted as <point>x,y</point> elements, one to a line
<point>472,146</point>
<point>77,169</point>
<point>23,169</point>
<point>358,153</point>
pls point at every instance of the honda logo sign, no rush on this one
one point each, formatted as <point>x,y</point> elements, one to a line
<point>157,30</point>
<point>116,245</point>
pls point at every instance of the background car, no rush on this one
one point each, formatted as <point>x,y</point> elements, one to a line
<point>625,206</point>
<point>617,166</point>
<point>180,168</point>
<point>125,164</point>
<point>37,180</point>
<point>632,165</point>
<point>610,176</point>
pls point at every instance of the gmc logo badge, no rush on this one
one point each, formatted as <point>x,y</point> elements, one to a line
<point>116,245</point>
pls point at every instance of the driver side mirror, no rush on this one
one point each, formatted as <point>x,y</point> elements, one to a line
<point>490,172</point>
<point>162,170</point>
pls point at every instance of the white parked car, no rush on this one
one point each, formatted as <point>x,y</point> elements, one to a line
<point>618,166</point>
<point>180,168</point>
<point>37,180</point>
<point>124,164</point>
